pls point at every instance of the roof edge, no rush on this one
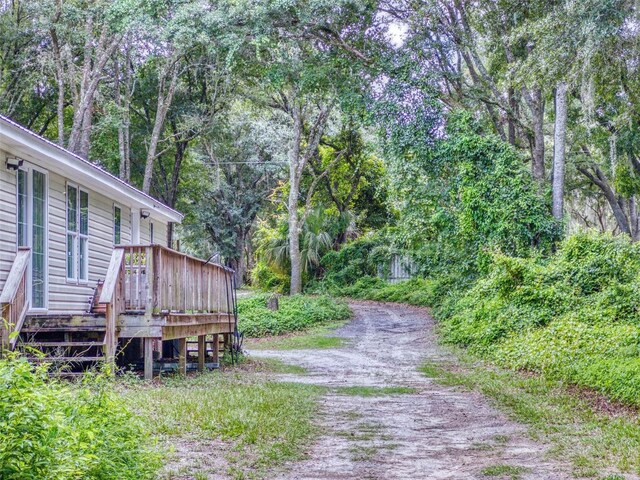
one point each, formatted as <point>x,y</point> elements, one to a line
<point>109,179</point>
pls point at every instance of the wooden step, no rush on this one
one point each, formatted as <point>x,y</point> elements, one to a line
<point>65,359</point>
<point>62,329</point>
<point>60,344</point>
<point>86,320</point>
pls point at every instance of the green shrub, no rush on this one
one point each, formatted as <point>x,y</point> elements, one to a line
<point>296,313</point>
<point>265,279</point>
<point>53,430</point>
<point>416,291</point>
<point>574,316</point>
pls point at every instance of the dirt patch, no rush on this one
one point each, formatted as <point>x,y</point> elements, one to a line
<point>194,457</point>
<point>437,432</point>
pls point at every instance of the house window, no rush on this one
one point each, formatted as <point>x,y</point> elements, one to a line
<point>151,233</point>
<point>38,238</point>
<point>77,233</point>
<point>32,229</point>
<point>117,225</point>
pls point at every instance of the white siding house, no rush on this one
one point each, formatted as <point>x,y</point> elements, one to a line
<point>70,213</point>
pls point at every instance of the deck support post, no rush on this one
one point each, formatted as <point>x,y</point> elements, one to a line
<point>215,347</point>
<point>110,339</point>
<point>202,351</point>
<point>182,356</point>
<point>227,342</point>
<point>148,358</point>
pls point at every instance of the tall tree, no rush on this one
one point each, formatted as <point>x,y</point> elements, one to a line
<point>302,73</point>
<point>80,57</point>
<point>559,141</point>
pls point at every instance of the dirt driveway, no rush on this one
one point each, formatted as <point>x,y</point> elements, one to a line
<point>435,432</point>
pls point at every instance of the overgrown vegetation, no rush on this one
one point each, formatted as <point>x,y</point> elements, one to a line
<point>53,430</point>
<point>574,316</point>
<point>295,313</point>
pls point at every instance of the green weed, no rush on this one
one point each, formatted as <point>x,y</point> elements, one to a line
<point>502,470</point>
<point>363,391</point>
<point>318,337</point>
<point>53,429</point>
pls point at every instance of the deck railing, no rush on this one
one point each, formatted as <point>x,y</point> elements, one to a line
<point>14,301</point>
<point>160,280</point>
<point>153,280</point>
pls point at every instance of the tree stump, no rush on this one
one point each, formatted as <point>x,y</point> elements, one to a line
<point>273,302</point>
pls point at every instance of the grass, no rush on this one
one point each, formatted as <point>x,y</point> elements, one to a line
<point>593,438</point>
<point>364,391</point>
<point>318,337</point>
<point>261,423</point>
<point>503,470</point>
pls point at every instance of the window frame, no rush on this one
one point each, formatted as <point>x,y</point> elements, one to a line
<point>28,169</point>
<point>79,268</point>
<point>119,230</point>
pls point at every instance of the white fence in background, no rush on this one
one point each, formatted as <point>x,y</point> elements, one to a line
<point>400,267</point>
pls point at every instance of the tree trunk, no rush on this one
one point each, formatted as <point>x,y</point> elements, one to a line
<point>164,102</point>
<point>294,194</point>
<point>294,244</point>
<point>57,55</point>
<point>513,109</point>
<point>616,202</point>
<point>633,219</point>
<point>240,264</point>
<point>536,105</point>
<point>559,143</point>
<point>123,101</point>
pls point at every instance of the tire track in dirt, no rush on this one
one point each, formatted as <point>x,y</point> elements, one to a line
<point>438,432</point>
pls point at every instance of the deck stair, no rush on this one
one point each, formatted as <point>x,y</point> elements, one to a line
<point>69,342</point>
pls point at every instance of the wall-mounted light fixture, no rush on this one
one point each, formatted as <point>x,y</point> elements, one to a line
<point>14,163</point>
<point>145,213</point>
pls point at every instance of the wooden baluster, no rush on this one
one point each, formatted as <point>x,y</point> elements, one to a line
<point>148,293</point>
<point>157,275</point>
<point>183,299</point>
<point>142,278</point>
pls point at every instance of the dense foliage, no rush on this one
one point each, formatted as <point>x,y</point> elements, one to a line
<point>469,194</point>
<point>468,197</point>
<point>294,314</point>
<point>574,316</point>
<point>52,430</point>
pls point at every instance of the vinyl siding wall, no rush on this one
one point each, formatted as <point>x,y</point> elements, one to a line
<point>8,223</point>
<point>67,295</point>
<point>159,232</point>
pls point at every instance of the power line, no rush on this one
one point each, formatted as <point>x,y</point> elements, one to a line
<point>246,163</point>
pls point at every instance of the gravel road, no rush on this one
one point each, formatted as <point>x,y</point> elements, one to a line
<point>437,432</point>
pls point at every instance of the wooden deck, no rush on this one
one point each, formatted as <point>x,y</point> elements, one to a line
<point>151,293</point>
